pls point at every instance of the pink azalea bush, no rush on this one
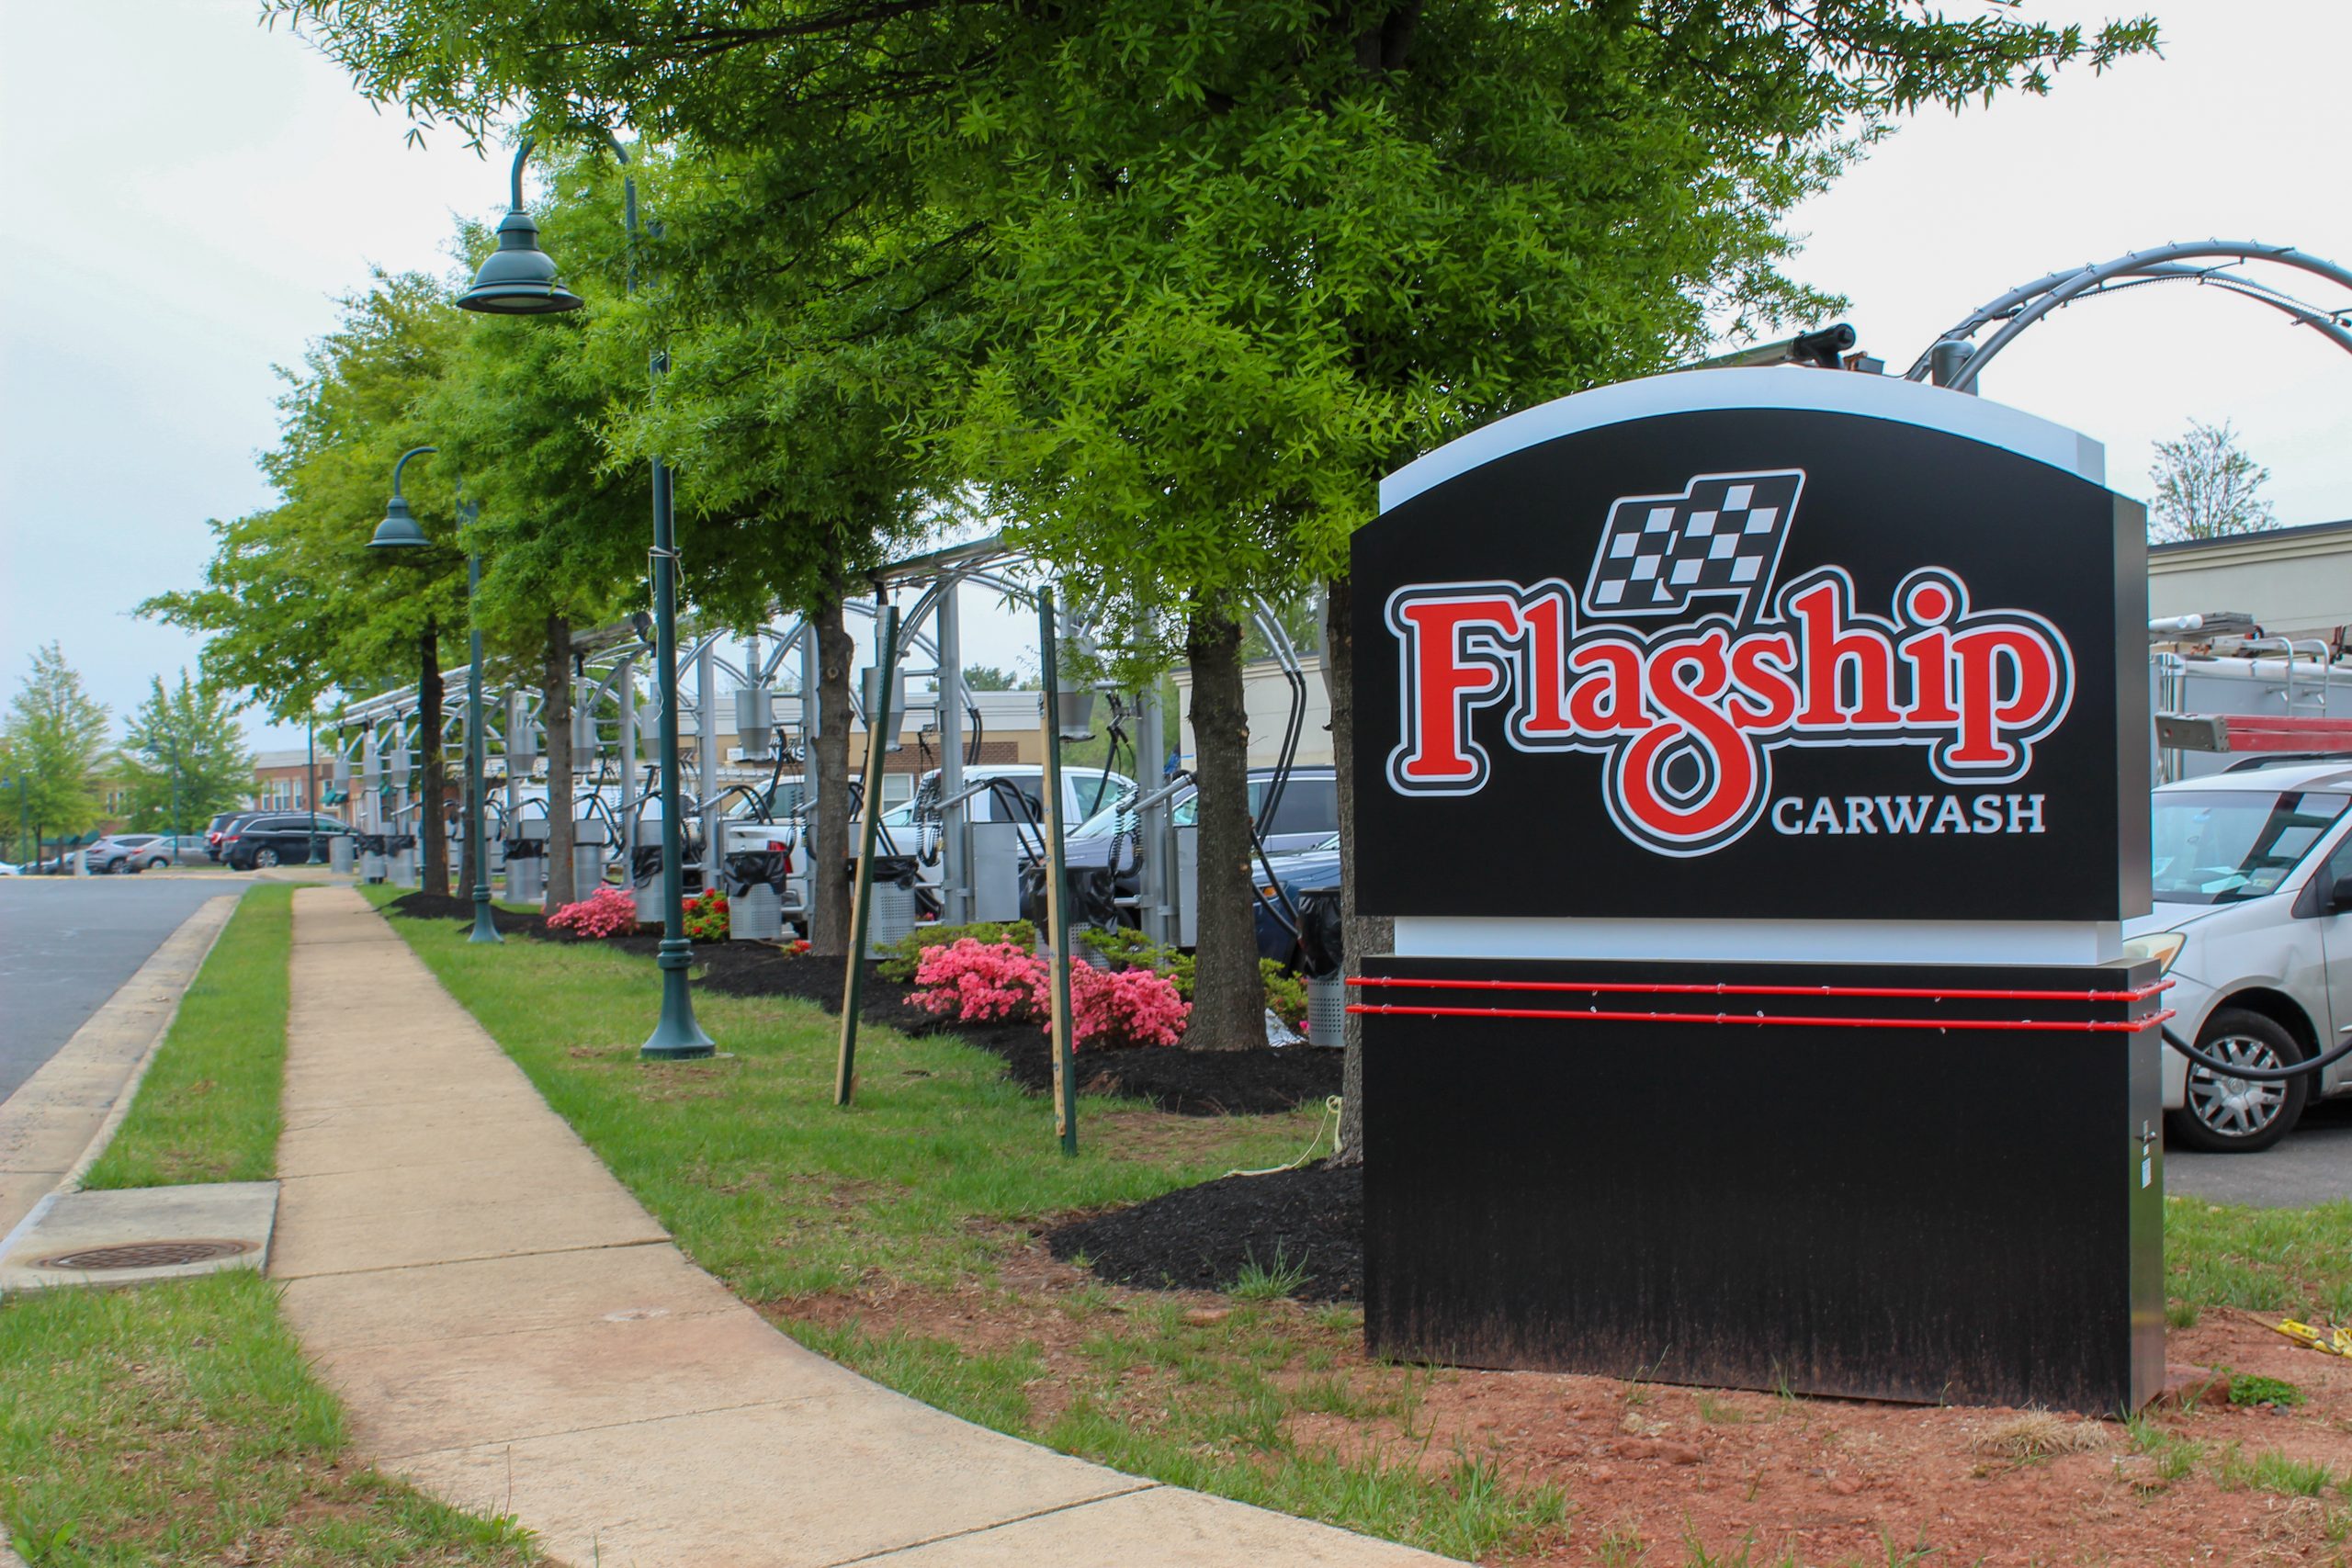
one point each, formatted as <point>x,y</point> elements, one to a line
<point>609,911</point>
<point>977,982</point>
<point>1128,1007</point>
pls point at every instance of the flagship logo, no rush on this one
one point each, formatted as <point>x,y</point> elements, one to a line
<point>1680,664</point>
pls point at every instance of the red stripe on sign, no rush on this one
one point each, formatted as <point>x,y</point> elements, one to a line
<point>1693,988</point>
<point>2078,1026</point>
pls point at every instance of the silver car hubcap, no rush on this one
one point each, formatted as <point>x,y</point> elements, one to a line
<point>2237,1107</point>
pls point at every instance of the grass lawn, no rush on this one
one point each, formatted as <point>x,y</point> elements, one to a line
<point>207,1108</point>
<point>925,1189</point>
<point>2291,1262</point>
<point>176,1424</point>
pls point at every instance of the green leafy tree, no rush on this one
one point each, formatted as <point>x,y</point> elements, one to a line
<point>2207,487</point>
<point>1217,269</point>
<point>185,756</point>
<point>293,604</point>
<point>986,678</point>
<point>54,739</point>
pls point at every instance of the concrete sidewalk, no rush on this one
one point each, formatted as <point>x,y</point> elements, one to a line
<point>515,1334</point>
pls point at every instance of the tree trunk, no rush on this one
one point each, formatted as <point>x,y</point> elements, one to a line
<point>1228,992</point>
<point>829,890</point>
<point>1361,935</point>
<point>433,808</point>
<point>555,713</point>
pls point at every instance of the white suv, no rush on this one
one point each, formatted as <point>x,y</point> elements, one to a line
<point>2253,923</point>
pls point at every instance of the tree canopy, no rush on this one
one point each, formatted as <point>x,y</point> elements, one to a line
<point>2207,487</point>
<point>51,745</point>
<point>185,758</point>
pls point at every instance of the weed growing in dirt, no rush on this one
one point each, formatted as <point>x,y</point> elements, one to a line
<point>2271,1470</point>
<point>2180,1314</point>
<point>2245,1390</point>
<point>1621,1547</point>
<point>1258,1282</point>
<point>1720,1412</point>
<point>2175,1455</point>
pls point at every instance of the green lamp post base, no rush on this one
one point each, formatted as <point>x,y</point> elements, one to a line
<point>485,928</point>
<point>676,1036</point>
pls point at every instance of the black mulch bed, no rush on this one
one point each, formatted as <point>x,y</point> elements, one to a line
<point>1181,1082</point>
<point>1199,1238</point>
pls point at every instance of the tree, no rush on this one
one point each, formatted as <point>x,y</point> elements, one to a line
<point>1222,268</point>
<point>185,756</point>
<point>2207,487</point>
<point>55,736</point>
<point>986,678</point>
<point>293,604</point>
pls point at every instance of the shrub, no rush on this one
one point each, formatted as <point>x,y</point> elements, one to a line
<point>980,982</point>
<point>608,911</point>
<point>707,917</point>
<point>1111,1009</point>
<point>902,958</point>
<point>1285,993</point>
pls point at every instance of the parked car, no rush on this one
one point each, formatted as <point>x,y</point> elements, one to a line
<point>9,868</point>
<point>2252,924</point>
<point>1282,895</point>
<point>175,849</point>
<point>269,839</point>
<point>121,854</point>
<point>219,826</point>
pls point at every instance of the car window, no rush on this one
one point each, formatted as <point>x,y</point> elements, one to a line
<point>2226,846</point>
<point>1307,805</point>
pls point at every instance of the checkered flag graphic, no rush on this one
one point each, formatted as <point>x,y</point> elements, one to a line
<point>1722,535</point>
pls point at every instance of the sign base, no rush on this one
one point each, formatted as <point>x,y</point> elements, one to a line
<point>1963,1216</point>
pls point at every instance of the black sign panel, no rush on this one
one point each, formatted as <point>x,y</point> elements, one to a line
<point>1755,663</point>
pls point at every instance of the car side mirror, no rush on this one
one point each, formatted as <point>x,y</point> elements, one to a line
<point>2340,901</point>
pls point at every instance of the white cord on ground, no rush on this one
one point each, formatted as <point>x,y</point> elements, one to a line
<point>1330,1123</point>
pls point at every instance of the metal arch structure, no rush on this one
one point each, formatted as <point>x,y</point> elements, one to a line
<point>1954,360</point>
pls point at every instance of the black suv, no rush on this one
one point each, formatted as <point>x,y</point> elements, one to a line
<point>267,839</point>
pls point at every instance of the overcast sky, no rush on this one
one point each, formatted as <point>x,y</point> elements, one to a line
<point>190,194</point>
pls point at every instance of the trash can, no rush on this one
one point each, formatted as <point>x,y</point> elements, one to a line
<point>339,855</point>
<point>754,881</point>
<point>590,840</point>
<point>527,866</point>
<point>1322,950</point>
<point>891,918</point>
<point>400,850</point>
<point>370,848</point>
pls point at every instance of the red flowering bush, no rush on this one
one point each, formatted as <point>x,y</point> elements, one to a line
<point>609,911</point>
<point>707,917</point>
<point>979,981</point>
<point>1110,1010</point>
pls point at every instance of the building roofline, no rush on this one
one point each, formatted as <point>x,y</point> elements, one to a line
<point>2300,531</point>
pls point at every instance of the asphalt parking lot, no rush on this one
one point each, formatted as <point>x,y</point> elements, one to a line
<point>2311,1165</point>
<point>66,943</point>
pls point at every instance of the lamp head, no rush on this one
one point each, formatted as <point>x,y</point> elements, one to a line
<point>398,531</point>
<point>518,278</point>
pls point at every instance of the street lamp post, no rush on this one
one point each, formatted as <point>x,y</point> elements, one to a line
<point>398,532</point>
<point>519,279</point>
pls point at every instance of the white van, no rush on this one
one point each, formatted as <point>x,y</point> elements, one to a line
<point>2252,924</point>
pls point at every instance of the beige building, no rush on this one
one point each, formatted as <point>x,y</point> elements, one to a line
<point>1267,696</point>
<point>2295,582</point>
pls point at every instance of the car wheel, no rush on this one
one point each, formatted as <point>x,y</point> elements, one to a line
<point>263,859</point>
<point>2240,1116</point>
<point>158,864</point>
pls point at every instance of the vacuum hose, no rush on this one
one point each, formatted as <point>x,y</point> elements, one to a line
<point>2258,1075</point>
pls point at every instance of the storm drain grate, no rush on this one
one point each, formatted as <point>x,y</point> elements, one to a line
<point>146,1255</point>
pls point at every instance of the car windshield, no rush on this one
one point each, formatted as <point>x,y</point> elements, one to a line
<point>2226,846</point>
